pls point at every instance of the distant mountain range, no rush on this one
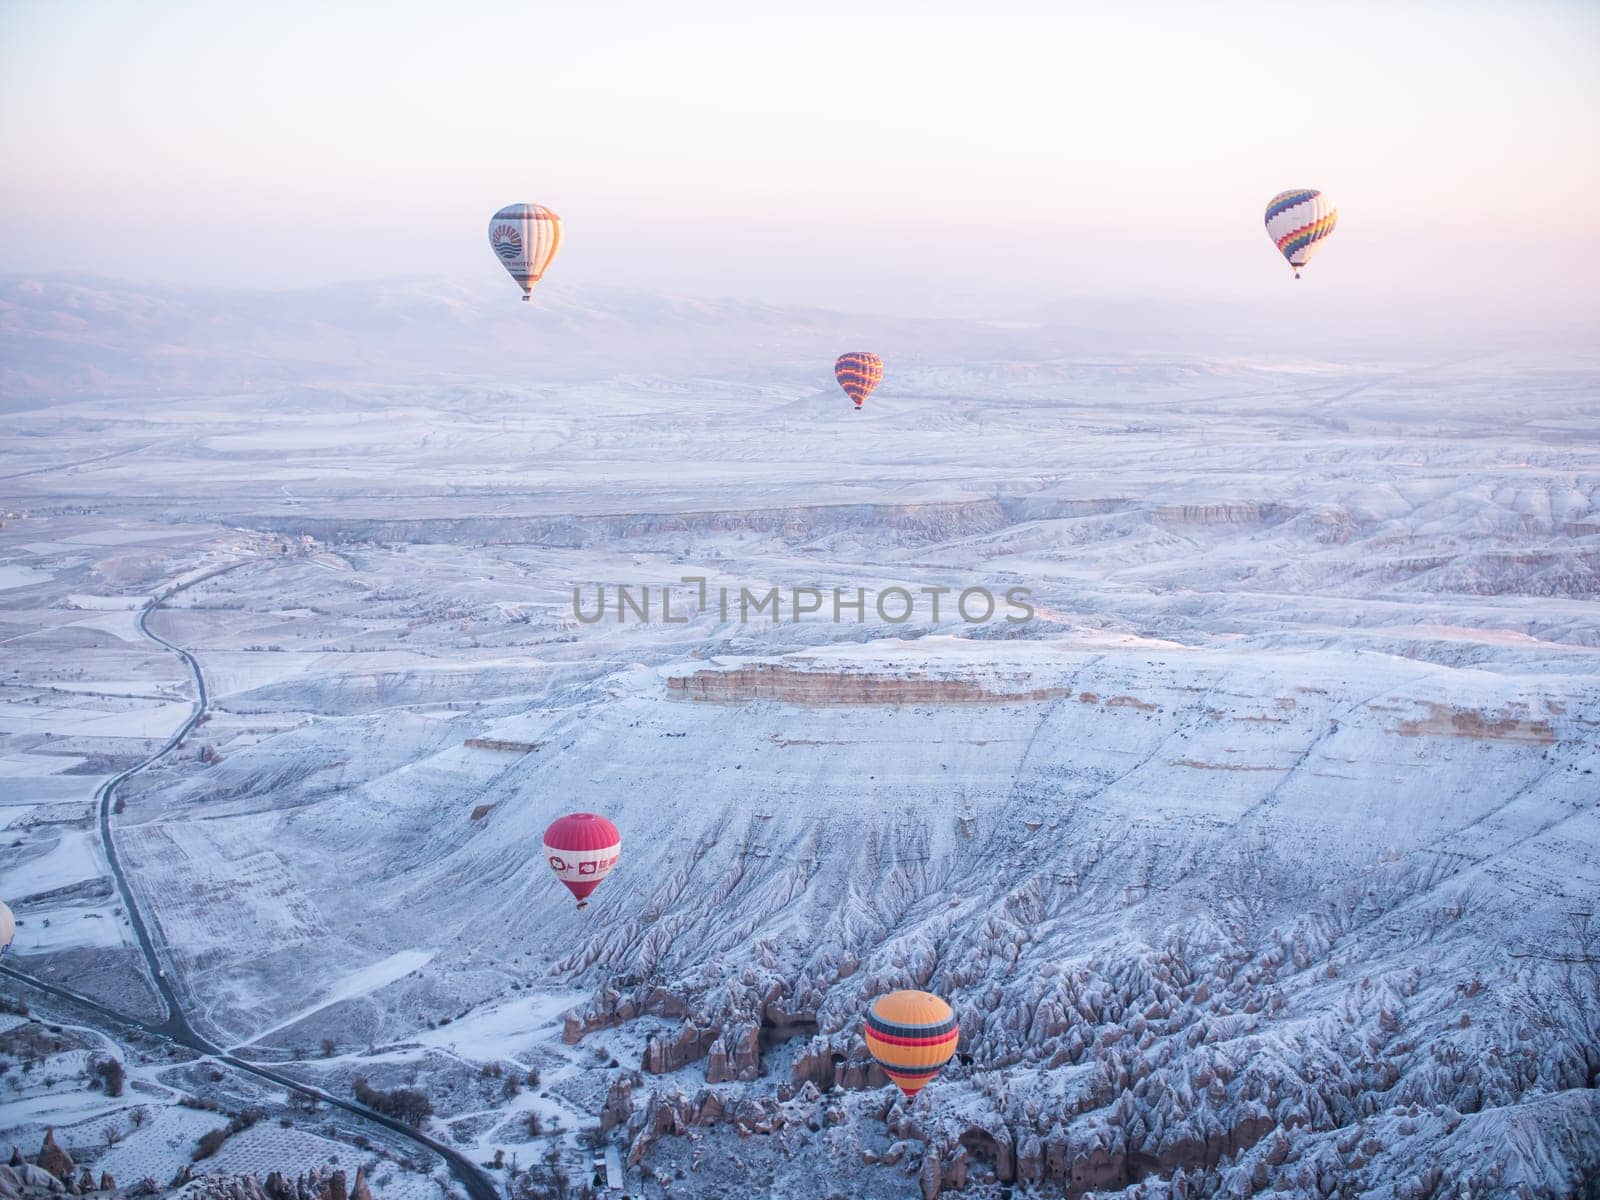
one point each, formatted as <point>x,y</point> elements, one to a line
<point>76,336</point>
<point>73,336</point>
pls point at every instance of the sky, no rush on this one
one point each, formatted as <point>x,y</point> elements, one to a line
<point>917,157</point>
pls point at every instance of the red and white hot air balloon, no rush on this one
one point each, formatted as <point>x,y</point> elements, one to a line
<point>581,849</point>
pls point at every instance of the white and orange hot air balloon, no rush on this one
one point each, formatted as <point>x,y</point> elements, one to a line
<point>525,237</point>
<point>581,849</point>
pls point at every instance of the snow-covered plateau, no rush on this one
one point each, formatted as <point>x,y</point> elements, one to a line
<point>1263,856</point>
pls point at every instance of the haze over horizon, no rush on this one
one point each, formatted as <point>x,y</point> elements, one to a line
<point>999,168</point>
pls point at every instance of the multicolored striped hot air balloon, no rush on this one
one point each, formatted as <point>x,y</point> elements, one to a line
<point>1298,222</point>
<point>912,1035</point>
<point>525,237</point>
<point>581,849</point>
<point>858,374</point>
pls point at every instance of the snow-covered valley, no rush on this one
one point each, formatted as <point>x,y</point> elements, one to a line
<point>1264,854</point>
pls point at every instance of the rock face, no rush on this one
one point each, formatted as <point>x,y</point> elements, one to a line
<point>54,1159</point>
<point>992,1143</point>
<point>27,1181</point>
<point>1444,720</point>
<point>825,1066</point>
<point>665,1054</point>
<point>1100,1168</point>
<point>319,1183</point>
<point>675,1113</point>
<point>1245,513</point>
<point>502,744</point>
<point>907,524</point>
<point>735,1055</point>
<point>612,1006</point>
<point>1192,1153</point>
<point>816,688</point>
<point>664,1113</point>
<point>618,1106</point>
<point>731,1044</point>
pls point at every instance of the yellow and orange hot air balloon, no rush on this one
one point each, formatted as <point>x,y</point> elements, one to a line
<point>912,1035</point>
<point>858,373</point>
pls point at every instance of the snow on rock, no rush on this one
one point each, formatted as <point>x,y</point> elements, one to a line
<point>1265,856</point>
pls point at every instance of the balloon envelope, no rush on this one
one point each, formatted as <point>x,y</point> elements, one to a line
<point>911,1034</point>
<point>525,237</point>
<point>1298,222</point>
<point>581,849</point>
<point>8,929</point>
<point>858,373</point>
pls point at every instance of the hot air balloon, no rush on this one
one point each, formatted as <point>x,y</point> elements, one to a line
<point>8,929</point>
<point>1298,221</point>
<point>525,237</point>
<point>912,1035</point>
<point>581,849</point>
<point>858,374</point>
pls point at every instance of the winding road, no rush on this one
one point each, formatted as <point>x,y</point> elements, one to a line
<point>175,1026</point>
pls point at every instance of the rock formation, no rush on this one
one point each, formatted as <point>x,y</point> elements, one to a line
<point>319,1183</point>
<point>54,1159</point>
<point>619,1104</point>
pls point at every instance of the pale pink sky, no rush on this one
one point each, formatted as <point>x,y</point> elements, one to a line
<point>904,156</point>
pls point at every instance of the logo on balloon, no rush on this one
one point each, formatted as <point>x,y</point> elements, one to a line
<point>507,242</point>
<point>557,864</point>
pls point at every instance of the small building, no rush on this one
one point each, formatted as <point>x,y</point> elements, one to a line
<point>608,1166</point>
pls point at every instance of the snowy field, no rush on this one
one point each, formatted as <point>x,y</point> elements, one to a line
<point>1264,854</point>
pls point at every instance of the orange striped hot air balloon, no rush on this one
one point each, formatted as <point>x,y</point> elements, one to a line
<point>858,373</point>
<point>912,1035</point>
<point>525,237</point>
